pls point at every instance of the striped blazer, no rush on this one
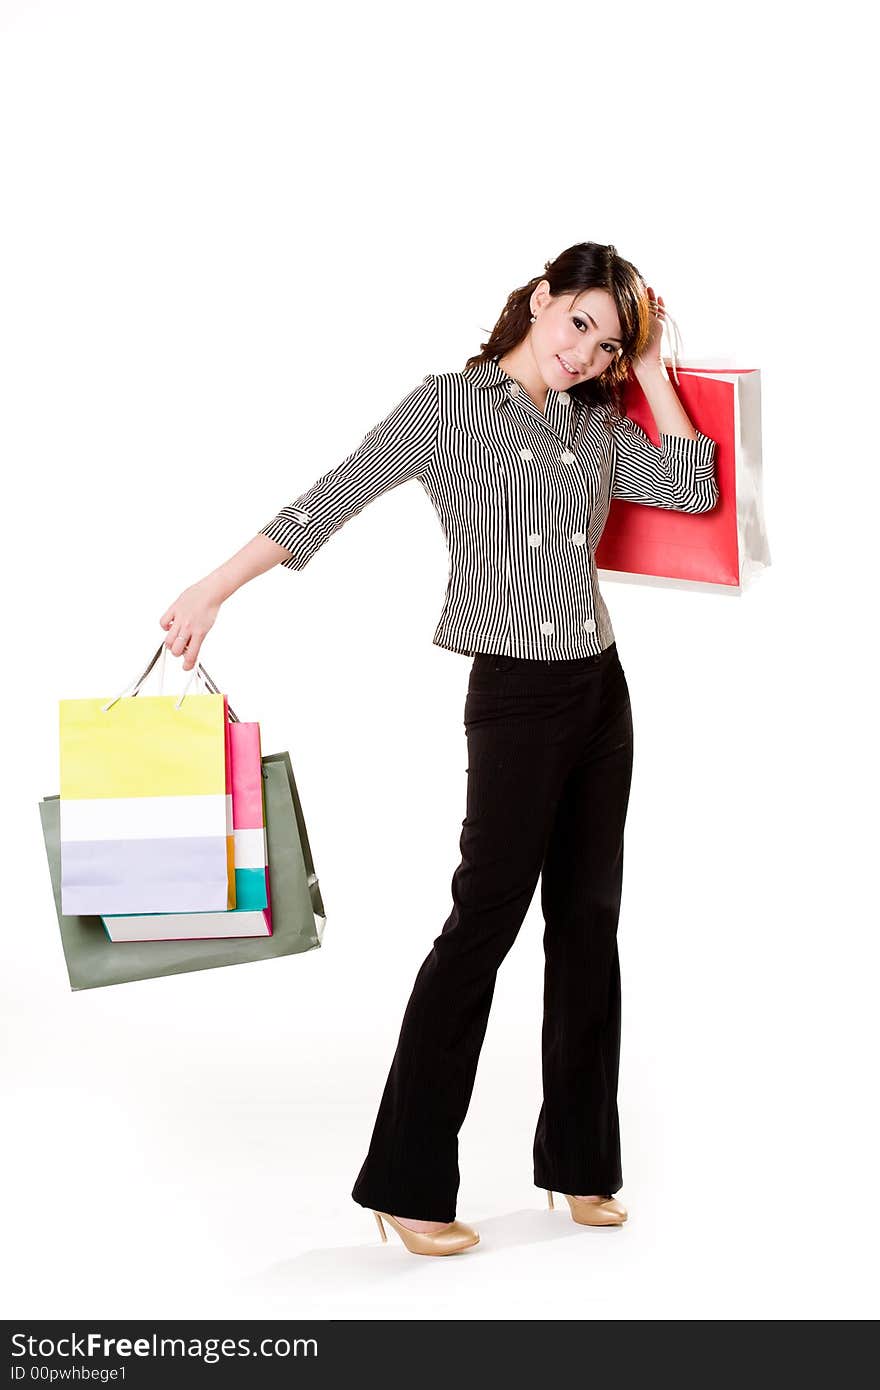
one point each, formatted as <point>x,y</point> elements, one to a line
<point>522,496</point>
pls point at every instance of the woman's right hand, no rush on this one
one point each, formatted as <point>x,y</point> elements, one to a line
<point>188,619</point>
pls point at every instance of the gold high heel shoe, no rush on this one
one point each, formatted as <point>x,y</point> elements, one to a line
<point>453,1238</point>
<point>608,1212</point>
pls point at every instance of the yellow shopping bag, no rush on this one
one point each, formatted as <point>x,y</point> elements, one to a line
<point>146,805</point>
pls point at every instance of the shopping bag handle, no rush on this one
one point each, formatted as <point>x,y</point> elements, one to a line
<point>199,672</point>
<point>215,690</point>
<point>669,322</point>
<point>132,689</point>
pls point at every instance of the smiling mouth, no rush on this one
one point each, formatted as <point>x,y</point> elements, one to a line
<point>569,371</point>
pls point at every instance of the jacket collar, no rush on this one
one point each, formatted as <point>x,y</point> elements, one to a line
<point>558,412</point>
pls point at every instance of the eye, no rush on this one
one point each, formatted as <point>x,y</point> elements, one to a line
<point>609,347</point>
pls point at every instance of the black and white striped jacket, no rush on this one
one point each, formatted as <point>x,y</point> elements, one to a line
<point>522,496</point>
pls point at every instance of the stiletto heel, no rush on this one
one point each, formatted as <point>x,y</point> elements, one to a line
<point>453,1238</point>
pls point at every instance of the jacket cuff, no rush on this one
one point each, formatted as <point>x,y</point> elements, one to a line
<point>698,454</point>
<point>289,528</point>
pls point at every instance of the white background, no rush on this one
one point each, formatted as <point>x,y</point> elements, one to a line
<point>234,235</point>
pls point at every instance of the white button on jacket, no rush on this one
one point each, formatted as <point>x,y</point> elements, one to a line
<point>462,435</point>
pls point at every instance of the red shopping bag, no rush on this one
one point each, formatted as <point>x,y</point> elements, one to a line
<point>726,546</point>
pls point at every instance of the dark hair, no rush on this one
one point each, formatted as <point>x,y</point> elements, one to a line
<point>586,266</point>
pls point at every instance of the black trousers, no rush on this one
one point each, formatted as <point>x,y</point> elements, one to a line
<point>550,746</point>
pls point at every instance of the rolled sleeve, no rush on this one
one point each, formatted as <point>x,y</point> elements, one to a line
<point>400,447</point>
<point>679,475</point>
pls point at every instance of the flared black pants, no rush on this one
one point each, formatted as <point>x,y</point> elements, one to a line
<point>550,747</point>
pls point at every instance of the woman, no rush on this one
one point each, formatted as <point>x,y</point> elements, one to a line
<point>521,453</point>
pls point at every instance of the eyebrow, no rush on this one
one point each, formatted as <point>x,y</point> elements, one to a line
<point>595,325</point>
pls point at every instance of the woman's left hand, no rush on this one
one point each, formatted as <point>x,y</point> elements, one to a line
<point>651,360</point>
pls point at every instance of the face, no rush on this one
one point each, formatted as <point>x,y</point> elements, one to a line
<point>582,329</point>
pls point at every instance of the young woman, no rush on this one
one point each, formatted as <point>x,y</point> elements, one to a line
<point>521,453</point>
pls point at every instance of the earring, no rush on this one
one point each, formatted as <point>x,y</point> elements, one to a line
<point>532,319</point>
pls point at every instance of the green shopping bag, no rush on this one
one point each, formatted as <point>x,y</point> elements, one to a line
<point>298,916</point>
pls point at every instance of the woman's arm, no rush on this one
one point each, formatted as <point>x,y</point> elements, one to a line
<point>666,408</point>
<point>680,473</point>
<point>400,447</point>
<point>258,556</point>
<point>397,448</point>
<point>191,616</point>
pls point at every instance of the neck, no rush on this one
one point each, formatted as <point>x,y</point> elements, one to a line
<point>521,366</point>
